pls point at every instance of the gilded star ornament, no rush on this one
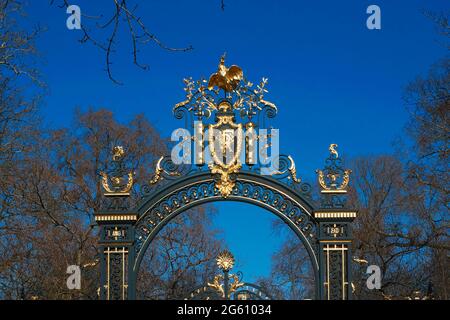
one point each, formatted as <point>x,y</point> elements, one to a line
<point>225,260</point>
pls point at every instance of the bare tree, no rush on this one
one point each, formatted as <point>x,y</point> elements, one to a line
<point>440,20</point>
<point>17,118</point>
<point>181,258</point>
<point>428,99</point>
<point>17,46</point>
<point>292,271</point>
<point>429,103</point>
<point>396,228</point>
<point>103,32</point>
<point>292,276</point>
<point>403,222</point>
<point>17,106</point>
<point>56,190</point>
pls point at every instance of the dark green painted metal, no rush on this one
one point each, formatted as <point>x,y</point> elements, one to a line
<point>175,189</point>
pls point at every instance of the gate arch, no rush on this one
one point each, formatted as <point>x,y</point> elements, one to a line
<point>158,210</point>
<point>322,225</point>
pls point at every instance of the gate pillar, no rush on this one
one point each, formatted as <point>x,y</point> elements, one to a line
<point>116,222</point>
<point>116,248</point>
<point>335,241</point>
<point>334,230</point>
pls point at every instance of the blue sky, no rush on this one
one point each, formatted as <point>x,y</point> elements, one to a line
<point>332,78</point>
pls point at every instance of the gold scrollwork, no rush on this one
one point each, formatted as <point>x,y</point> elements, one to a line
<point>331,184</point>
<point>345,179</point>
<point>321,179</point>
<point>333,177</point>
<point>116,182</point>
<point>235,284</point>
<point>217,285</point>
<point>159,171</point>
<point>114,185</point>
<point>293,171</point>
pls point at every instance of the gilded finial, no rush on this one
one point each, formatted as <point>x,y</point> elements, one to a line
<point>225,78</point>
<point>225,260</point>
<point>118,153</point>
<point>333,150</point>
<point>333,179</point>
<point>117,187</point>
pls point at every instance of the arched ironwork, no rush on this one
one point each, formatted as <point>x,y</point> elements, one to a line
<point>248,291</point>
<point>219,111</point>
<point>198,189</point>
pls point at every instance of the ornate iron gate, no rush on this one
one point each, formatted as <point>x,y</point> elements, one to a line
<point>221,288</point>
<point>226,112</point>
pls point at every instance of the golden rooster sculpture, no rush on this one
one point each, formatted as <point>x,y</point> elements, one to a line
<point>226,78</point>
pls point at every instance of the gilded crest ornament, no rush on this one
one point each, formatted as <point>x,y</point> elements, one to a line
<point>119,181</point>
<point>243,108</point>
<point>222,135</point>
<point>333,178</point>
<point>245,97</point>
<point>225,260</point>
